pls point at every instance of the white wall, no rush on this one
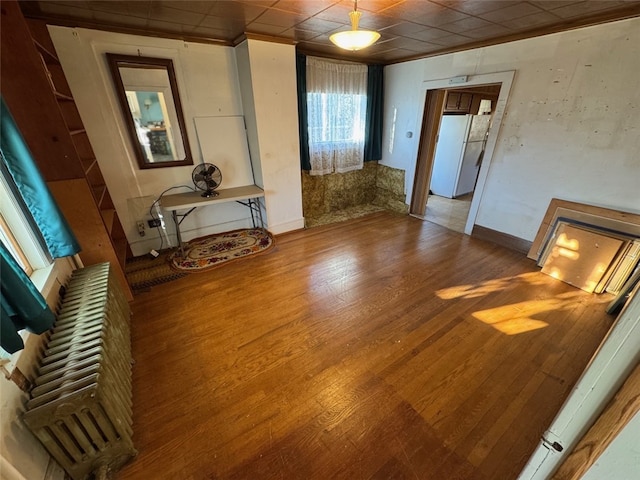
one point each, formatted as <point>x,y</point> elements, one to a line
<point>570,129</point>
<point>248,105</point>
<point>270,97</point>
<point>208,84</point>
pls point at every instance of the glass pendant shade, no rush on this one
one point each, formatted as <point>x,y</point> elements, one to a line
<point>354,39</point>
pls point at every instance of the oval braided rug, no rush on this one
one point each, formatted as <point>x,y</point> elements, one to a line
<point>204,253</point>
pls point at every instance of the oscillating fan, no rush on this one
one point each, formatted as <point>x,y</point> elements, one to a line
<point>207,177</point>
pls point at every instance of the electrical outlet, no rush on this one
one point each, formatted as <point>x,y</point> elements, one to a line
<point>141,230</point>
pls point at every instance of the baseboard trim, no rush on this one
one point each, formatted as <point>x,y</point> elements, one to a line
<point>286,227</point>
<point>504,239</point>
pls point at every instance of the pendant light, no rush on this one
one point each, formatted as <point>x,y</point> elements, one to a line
<point>355,39</point>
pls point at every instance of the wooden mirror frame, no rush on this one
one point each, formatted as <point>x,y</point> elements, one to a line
<point>115,62</point>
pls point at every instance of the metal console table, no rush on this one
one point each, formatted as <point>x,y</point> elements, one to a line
<point>248,195</point>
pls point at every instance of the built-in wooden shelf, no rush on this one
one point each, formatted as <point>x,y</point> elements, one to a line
<point>88,164</point>
<point>62,97</point>
<point>108,216</point>
<point>98,193</point>
<point>39,88</point>
<point>49,57</point>
<point>121,247</point>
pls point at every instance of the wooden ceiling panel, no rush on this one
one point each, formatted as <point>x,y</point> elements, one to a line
<point>475,7</point>
<point>403,29</point>
<point>451,40</point>
<point>210,32</point>
<point>279,18</point>
<point>247,12</point>
<point>124,20</point>
<point>428,34</point>
<point>586,8</point>
<point>531,21</point>
<point>374,6</point>
<point>231,26</point>
<point>440,17</point>
<point>461,26</point>
<point>308,8</point>
<point>509,13</point>
<point>377,22</point>
<point>338,12</point>
<point>171,27</point>
<point>269,30</point>
<point>116,6</point>
<point>188,5</point>
<point>298,33</point>
<point>551,4</point>
<point>491,30</point>
<point>413,11</point>
<point>64,10</point>
<point>318,25</point>
<point>166,14</point>
<point>409,28</point>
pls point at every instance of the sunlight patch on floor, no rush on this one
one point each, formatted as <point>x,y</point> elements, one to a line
<point>490,286</point>
<point>514,318</point>
<point>518,318</point>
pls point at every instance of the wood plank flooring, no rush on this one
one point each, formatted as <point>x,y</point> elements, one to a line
<point>449,212</point>
<point>381,348</point>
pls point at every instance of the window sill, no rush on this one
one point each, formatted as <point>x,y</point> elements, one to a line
<point>47,280</point>
<point>43,278</point>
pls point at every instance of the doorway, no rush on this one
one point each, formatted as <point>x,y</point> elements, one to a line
<point>463,130</point>
<point>437,101</point>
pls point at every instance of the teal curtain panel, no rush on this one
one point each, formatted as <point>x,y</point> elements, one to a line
<point>375,111</point>
<point>56,233</point>
<point>303,122</point>
<point>22,305</point>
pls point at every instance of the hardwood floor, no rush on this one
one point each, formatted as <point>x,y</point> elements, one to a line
<point>449,212</point>
<point>382,348</point>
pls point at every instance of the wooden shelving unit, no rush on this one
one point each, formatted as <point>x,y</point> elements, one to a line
<point>38,95</point>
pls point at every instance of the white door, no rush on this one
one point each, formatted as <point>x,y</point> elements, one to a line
<point>615,358</point>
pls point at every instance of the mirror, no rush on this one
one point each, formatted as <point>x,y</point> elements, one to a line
<point>150,102</point>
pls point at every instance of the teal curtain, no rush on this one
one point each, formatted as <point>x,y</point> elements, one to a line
<point>303,119</point>
<point>22,305</point>
<point>375,111</point>
<point>56,233</point>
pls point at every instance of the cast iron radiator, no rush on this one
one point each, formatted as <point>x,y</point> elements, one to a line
<point>80,407</point>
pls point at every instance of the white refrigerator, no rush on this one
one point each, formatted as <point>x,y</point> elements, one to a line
<point>457,159</point>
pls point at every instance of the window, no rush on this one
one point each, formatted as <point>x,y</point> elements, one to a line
<point>336,106</point>
<point>9,240</point>
<point>17,235</point>
<point>17,228</point>
<point>34,231</point>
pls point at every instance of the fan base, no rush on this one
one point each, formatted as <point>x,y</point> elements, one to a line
<point>210,193</point>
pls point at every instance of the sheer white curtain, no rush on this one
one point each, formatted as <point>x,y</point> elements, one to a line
<point>337,105</point>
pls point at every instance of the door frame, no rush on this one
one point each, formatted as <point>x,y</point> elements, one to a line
<point>433,105</point>
<point>431,123</point>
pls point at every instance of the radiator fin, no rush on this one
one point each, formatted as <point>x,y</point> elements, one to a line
<point>81,406</point>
